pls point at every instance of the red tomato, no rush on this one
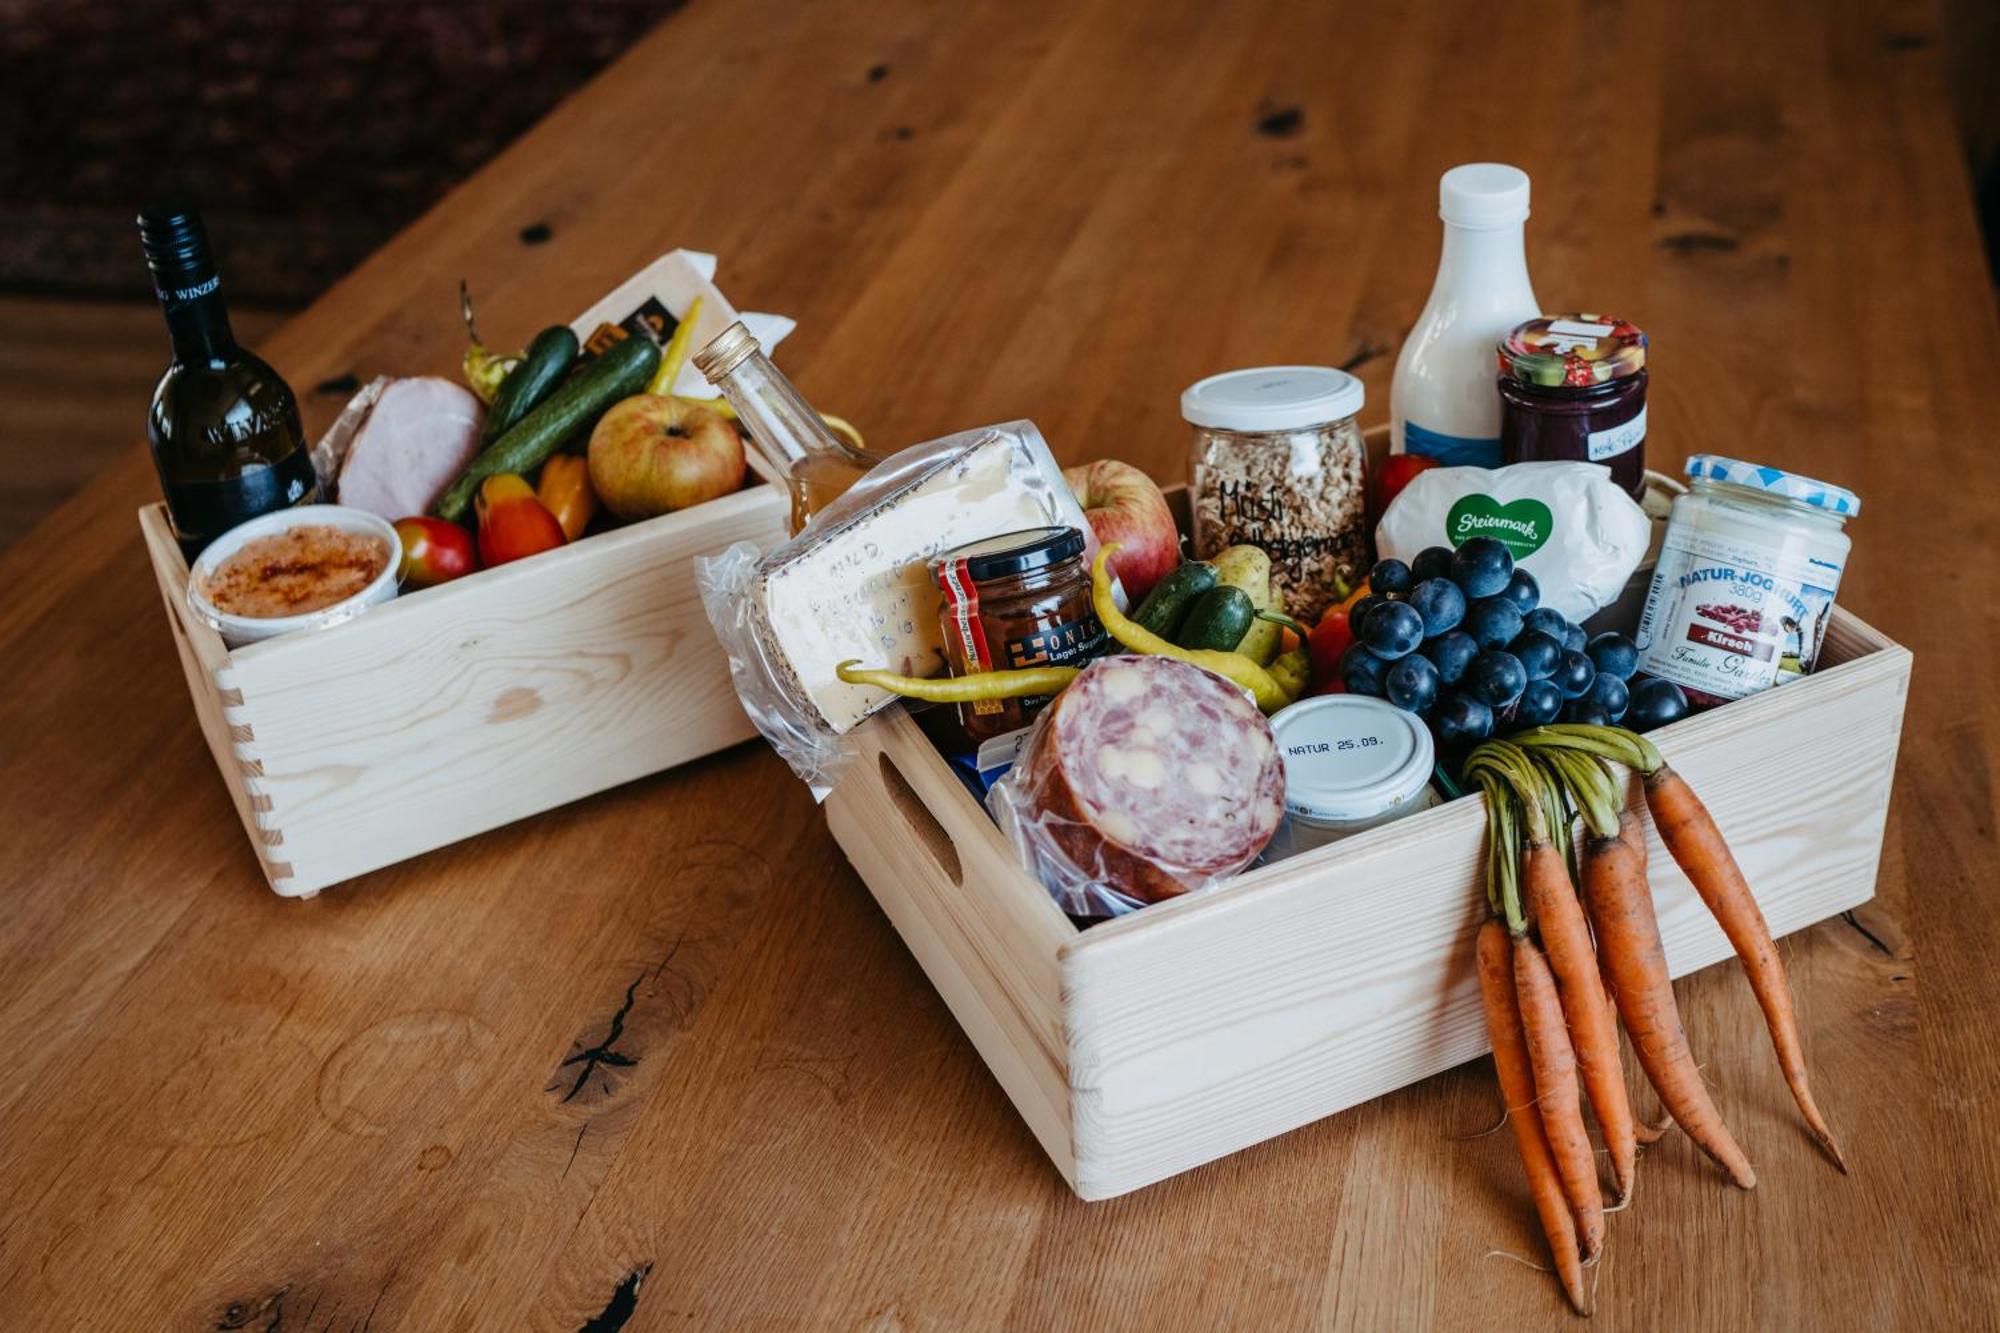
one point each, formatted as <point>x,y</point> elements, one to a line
<point>1329,639</point>
<point>434,552</point>
<point>1395,474</point>
<point>512,522</point>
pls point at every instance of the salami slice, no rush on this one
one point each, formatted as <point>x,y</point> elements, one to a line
<point>1153,776</point>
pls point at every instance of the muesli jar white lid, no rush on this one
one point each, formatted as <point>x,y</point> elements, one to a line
<point>1349,757</point>
<point>1273,398</point>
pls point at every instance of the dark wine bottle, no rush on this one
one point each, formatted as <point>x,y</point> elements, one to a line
<point>224,427</point>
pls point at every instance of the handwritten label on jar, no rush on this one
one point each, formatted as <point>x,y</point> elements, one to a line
<point>1727,619</point>
<point>1615,440</point>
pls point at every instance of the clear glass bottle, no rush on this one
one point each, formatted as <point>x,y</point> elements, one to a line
<point>224,427</point>
<point>817,465</point>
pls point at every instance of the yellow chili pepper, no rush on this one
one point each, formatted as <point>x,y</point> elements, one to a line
<point>1270,696</point>
<point>962,689</point>
<point>483,369</point>
<point>676,354</point>
<point>565,491</point>
<point>1291,670</point>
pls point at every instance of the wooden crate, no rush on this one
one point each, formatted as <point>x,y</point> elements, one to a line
<point>1176,1035</point>
<point>454,710</point>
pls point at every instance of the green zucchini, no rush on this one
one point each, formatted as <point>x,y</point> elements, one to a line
<point>1218,619</point>
<point>620,372</point>
<point>1163,608</point>
<point>542,367</point>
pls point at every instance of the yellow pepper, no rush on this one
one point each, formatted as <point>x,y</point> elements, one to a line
<point>1291,670</point>
<point>1018,684</point>
<point>483,369</point>
<point>675,354</point>
<point>1270,696</point>
<point>565,491</point>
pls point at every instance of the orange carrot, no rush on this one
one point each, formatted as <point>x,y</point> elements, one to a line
<point>1556,1092</point>
<point>1690,834</point>
<point>1628,933</point>
<point>1592,1025</point>
<point>1517,1089</point>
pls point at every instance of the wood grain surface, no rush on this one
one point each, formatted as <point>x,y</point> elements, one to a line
<point>655,1060</point>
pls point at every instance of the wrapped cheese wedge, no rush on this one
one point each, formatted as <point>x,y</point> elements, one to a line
<point>855,584</point>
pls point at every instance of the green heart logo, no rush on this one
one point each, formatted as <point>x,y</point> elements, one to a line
<point>1522,526</point>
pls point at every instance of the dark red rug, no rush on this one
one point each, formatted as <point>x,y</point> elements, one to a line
<point>309,132</point>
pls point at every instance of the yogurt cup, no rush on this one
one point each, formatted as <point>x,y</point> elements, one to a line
<point>239,630</point>
<point>1351,763</point>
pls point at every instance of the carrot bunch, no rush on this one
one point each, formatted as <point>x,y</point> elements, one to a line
<point>1548,956</point>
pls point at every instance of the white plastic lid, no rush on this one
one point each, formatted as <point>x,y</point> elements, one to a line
<point>1483,194</point>
<point>1350,757</point>
<point>1273,398</point>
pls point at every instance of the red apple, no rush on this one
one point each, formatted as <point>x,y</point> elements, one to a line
<point>1124,506</point>
<point>652,453</point>
<point>434,551</point>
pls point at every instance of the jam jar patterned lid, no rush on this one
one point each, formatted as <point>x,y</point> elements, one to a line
<point>1572,351</point>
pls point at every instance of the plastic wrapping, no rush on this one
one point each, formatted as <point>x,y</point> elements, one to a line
<point>1567,523</point>
<point>856,584</point>
<point>1147,779</point>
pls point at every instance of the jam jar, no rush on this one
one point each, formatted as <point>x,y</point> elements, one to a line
<point>1021,599</point>
<point>1573,388</point>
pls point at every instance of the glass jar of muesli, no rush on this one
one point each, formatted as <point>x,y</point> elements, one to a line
<point>1278,462</point>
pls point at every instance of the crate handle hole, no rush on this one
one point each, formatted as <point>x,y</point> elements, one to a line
<point>918,816</point>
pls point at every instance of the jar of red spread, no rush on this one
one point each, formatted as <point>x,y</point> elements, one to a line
<point>1021,599</point>
<point>1573,387</point>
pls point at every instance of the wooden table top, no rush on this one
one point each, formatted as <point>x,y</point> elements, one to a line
<point>656,1059</point>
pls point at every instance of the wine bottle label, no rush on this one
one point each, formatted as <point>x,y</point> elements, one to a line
<point>204,510</point>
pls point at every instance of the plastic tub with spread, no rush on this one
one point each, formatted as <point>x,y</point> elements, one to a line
<point>1351,763</point>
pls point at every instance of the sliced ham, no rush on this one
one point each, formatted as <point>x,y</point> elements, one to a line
<point>418,438</point>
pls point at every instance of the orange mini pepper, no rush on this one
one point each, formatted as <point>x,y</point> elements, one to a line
<point>565,491</point>
<point>512,522</point>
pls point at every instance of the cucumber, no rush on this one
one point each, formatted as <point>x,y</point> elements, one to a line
<point>1168,602</point>
<point>620,372</point>
<point>1218,619</point>
<point>1248,568</point>
<point>542,367</point>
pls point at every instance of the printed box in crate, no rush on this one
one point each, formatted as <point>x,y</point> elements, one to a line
<point>1149,1045</point>
<point>461,708</point>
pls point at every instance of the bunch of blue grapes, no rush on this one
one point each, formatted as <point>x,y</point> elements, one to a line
<point>1461,639</point>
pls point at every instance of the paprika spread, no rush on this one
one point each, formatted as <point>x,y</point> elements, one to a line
<point>1017,601</point>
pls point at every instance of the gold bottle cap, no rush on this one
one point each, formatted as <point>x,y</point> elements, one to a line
<point>726,352</point>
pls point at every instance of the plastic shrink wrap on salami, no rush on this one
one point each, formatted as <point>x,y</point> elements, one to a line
<point>1147,778</point>
<point>856,584</point>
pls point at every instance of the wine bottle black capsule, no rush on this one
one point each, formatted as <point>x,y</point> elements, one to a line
<point>224,427</point>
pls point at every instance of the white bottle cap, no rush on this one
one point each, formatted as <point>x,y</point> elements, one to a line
<point>1483,195</point>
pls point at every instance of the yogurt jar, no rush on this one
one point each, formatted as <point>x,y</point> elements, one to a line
<point>1746,578</point>
<point>1351,763</point>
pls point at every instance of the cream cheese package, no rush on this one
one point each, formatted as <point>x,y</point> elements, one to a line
<point>855,584</point>
<point>1567,523</point>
